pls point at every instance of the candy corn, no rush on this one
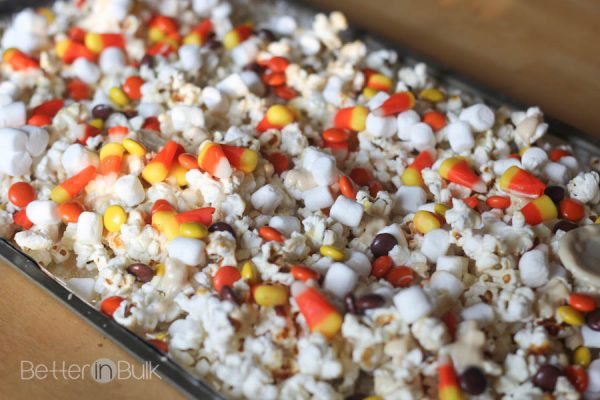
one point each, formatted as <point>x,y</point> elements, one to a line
<point>111,155</point>
<point>412,174</point>
<point>448,386</point>
<point>241,158</point>
<point>519,182</point>
<point>49,108</point>
<point>352,118</point>
<point>69,50</point>
<point>539,210</point>
<point>212,159</point>
<point>89,132</point>
<point>97,42</point>
<point>319,314</point>
<point>199,215</point>
<point>377,82</point>
<point>73,186</point>
<point>237,36</point>
<point>276,117</point>
<point>158,169</point>
<point>18,60</point>
<point>395,104</point>
<point>199,33</point>
<point>165,222</point>
<point>177,173</point>
<point>457,170</point>
<point>160,27</point>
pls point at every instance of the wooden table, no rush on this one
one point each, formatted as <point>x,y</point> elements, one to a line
<point>541,52</point>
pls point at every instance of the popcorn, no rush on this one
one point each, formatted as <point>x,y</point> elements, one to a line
<point>266,199</point>
<point>534,268</point>
<point>76,158</point>
<point>585,187</point>
<point>448,283</point>
<point>130,191</point>
<point>533,159</point>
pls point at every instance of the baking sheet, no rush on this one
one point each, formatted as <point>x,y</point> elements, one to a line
<point>585,147</point>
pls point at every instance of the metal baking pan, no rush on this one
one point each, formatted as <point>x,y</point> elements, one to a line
<point>584,146</point>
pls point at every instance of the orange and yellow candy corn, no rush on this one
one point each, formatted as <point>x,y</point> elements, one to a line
<point>377,82</point>
<point>199,33</point>
<point>18,60</point>
<point>164,221</point>
<point>448,386</point>
<point>212,159</point>
<point>241,158</point>
<point>319,314</point>
<point>71,187</point>
<point>158,169</point>
<point>69,50</point>
<point>457,170</point>
<point>237,36</point>
<point>97,42</point>
<point>539,210</point>
<point>177,173</point>
<point>111,156</point>
<point>519,182</point>
<point>160,27</point>
<point>199,215</point>
<point>412,174</point>
<point>276,117</point>
<point>395,104</point>
<point>353,118</point>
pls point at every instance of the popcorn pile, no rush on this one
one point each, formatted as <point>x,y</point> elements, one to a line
<point>291,216</point>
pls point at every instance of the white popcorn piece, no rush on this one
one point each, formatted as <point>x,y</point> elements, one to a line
<point>89,228</point>
<point>130,191</point>
<point>435,244</point>
<point>13,115</point>
<point>404,121</point>
<point>286,224</point>
<point>456,265</point>
<point>460,136</point>
<point>253,82</point>
<point>585,187</point>
<point>189,57</point>
<point>43,212</point>
<point>76,158</point>
<point>421,136</point>
<point>381,126</point>
<point>480,312</point>
<point>317,198</point>
<point>233,86</point>
<point>266,199</point>
<point>346,211</point>
<point>408,199</point>
<point>184,117</point>
<point>447,282</point>
<point>412,303</point>
<point>533,159</point>
<point>479,116</point>
<point>187,250</point>
<point>86,71</point>
<point>500,166</point>
<point>340,279</point>
<point>359,262</point>
<point>534,268</point>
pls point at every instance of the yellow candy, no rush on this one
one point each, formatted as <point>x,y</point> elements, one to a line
<point>118,96</point>
<point>425,221</point>
<point>280,115</point>
<point>193,230</point>
<point>114,217</point>
<point>231,40</point>
<point>160,269</point>
<point>597,221</point>
<point>431,94</point>
<point>440,209</point>
<point>193,38</point>
<point>134,147</point>
<point>155,35</point>
<point>178,173</point>
<point>249,272</point>
<point>93,41</point>
<point>570,315</point>
<point>373,398</point>
<point>62,46</point>
<point>332,252</point>
<point>165,222</point>
<point>582,356</point>
<point>97,123</point>
<point>270,295</point>
<point>412,177</point>
<point>369,92</point>
<point>523,150</point>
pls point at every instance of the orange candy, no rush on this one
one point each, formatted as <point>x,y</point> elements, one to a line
<point>448,386</point>
<point>435,119</point>
<point>226,276</point>
<point>49,108</point>
<point>133,87</point>
<point>335,135</point>
<point>212,159</point>
<point>381,266</point>
<point>274,78</point>
<point>161,205</point>
<point>20,218</point>
<point>161,345</point>
<point>158,169</point>
<point>70,211</point>
<point>571,209</point>
<point>110,304</point>
<point>471,201</point>
<point>278,64</point>
<point>518,182</point>
<point>18,60</point>
<point>73,185</point>
<point>557,154</point>
<point>78,90</point>
<point>285,92</point>
<point>241,158</point>
<point>500,202</point>
<point>347,187</point>
<point>21,194</point>
<point>302,273</point>
<point>400,276</point>
<point>582,302</point>
<point>188,161</point>
<point>457,170</point>
<point>270,234</point>
<point>199,215</point>
<point>395,104</point>
<point>539,210</point>
<point>353,118</point>
<point>39,120</point>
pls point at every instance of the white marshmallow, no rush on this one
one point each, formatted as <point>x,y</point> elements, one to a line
<point>112,60</point>
<point>233,86</point>
<point>456,265</point>
<point>244,53</point>
<point>214,99</point>
<point>479,116</point>
<point>408,199</point>
<point>187,250</point>
<point>184,116</point>
<point>412,303</point>
<point>332,93</point>
<point>421,136</point>
<point>381,126</point>
<point>43,212</point>
<point>89,228</point>
<point>556,172</point>
<point>309,157</point>
<point>82,287</point>
<point>533,158</point>
<point>309,44</point>
<point>460,136</point>
<point>86,71</point>
<point>283,25</point>
<point>404,121</point>
<point>286,224</point>
<point>340,280</point>
<point>15,164</point>
<point>591,338</point>
<point>147,109</point>
<point>189,57</point>
<point>204,7</point>
<point>12,140</point>
<point>359,262</point>
<point>346,211</point>
<point>130,191</point>
<point>76,157</point>
<point>317,198</point>
<point>266,199</point>
<point>593,372</point>
<point>396,231</point>
<point>446,282</point>
<point>253,82</point>
<point>480,312</point>
<point>324,170</point>
<point>534,268</point>
<point>37,139</point>
<point>322,265</point>
<point>502,165</point>
<point>570,162</point>
<point>13,115</point>
<point>435,244</point>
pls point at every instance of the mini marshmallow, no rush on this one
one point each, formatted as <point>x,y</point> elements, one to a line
<point>43,212</point>
<point>283,25</point>
<point>412,303</point>
<point>322,265</point>
<point>82,287</point>
<point>381,126</point>
<point>591,338</point>
<point>340,280</point>
<point>404,121</point>
<point>112,60</point>
<point>76,157</point>
<point>570,162</point>
<point>534,268</point>
<point>244,53</point>
<point>12,140</point>
<point>266,199</point>
<point>421,136</point>
<point>324,170</point>
<point>130,191</point>
<point>456,265</point>
<point>309,157</point>
<point>533,158</point>
<point>332,93</point>
<point>286,224</point>
<point>37,139</point>
<point>253,82</point>
<point>359,262</point>
<point>593,373</point>
<point>89,228</point>
<point>556,172</point>
<point>13,115</point>
<point>189,57</point>
<point>15,164</point>
<point>146,109</point>
<point>446,282</point>
<point>479,116</point>
<point>317,198</point>
<point>408,199</point>
<point>502,165</point>
<point>184,116</point>
<point>346,211</point>
<point>435,244</point>
<point>187,250</point>
<point>309,44</point>
<point>480,312</point>
<point>233,86</point>
<point>86,71</point>
<point>214,99</point>
<point>460,136</point>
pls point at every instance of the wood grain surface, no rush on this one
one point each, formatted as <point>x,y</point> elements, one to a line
<point>541,52</point>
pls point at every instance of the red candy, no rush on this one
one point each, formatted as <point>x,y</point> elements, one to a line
<point>20,218</point>
<point>498,202</point>
<point>132,87</point>
<point>381,266</point>
<point>571,209</point>
<point>21,194</point>
<point>400,276</point>
<point>70,211</point>
<point>270,234</point>
<point>226,276</point>
<point>578,377</point>
<point>110,304</point>
<point>302,273</point>
<point>582,302</point>
<point>280,161</point>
